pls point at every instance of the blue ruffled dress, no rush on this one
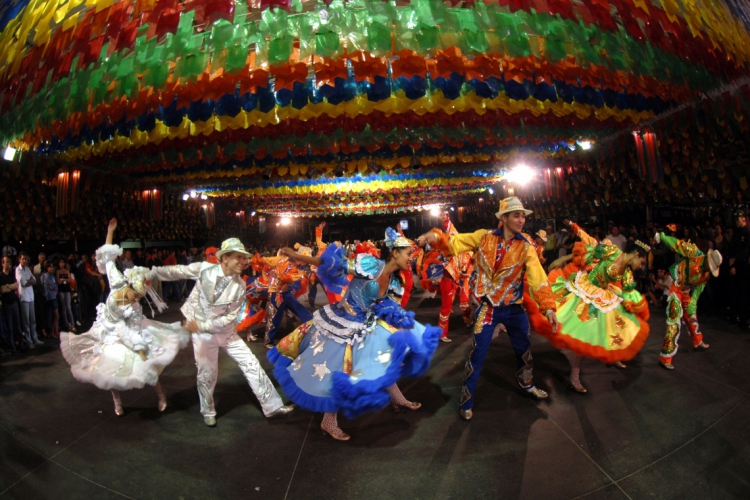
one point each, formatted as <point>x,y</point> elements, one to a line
<point>352,351</point>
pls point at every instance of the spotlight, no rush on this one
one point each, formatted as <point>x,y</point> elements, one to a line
<point>490,190</point>
<point>203,197</point>
<point>520,175</point>
<point>193,194</point>
<point>585,145</point>
<point>435,211</point>
<point>339,172</point>
<point>267,174</point>
<point>453,209</point>
<point>285,221</point>
<point>9,153</point>
<point>252,214</point>
<point>185,197</point>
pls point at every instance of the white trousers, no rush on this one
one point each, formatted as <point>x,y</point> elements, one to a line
<point>206,347</point>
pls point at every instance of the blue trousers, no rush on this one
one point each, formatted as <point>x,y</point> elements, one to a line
<point>516,323</point>
<point>278,302</point>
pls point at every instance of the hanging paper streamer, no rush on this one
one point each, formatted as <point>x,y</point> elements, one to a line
<point>217,93</point>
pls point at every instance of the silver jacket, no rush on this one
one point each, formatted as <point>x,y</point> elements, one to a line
<point>219,316</point>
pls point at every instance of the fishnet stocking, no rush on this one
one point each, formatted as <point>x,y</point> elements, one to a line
<point>398,399</point>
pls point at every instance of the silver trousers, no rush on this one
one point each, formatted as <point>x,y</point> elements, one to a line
<point>206,348</point>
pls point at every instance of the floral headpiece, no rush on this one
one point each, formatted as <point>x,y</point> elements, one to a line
<point>139,279</point>
<point>643,245</point>
<point>395,240</point>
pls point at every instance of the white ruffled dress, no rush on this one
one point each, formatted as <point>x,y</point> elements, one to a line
<point>108,354</point>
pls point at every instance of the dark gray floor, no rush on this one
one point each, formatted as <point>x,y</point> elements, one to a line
<point>642,432</point>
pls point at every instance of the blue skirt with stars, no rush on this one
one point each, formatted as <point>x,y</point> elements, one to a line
<point>321,374</point>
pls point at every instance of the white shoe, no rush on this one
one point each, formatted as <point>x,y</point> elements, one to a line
<point>210,421</point>
<point>536,392</point>
<point>281,411</point>
<point>445,339</point>
<point>78,323</point>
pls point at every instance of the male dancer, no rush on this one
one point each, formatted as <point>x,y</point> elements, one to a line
<point>284,273</point>
<point>502,257</point>
<point>691,271</point>
<point>211,312</point>
<point>456,273</point>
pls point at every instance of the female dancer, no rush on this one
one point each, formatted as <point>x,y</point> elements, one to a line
<point>601,313</point>
<point>123,350</point>
<point>350,355</point>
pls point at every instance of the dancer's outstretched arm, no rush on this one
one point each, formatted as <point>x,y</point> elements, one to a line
<point>111,231</point>
<point>313,261</point>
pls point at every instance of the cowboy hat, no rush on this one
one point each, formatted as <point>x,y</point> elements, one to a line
<point>512,204</point>
<point>714,262</point>
<point>232,245</point>
<point>542,234</point>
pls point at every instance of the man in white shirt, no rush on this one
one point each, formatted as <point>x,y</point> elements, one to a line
<point>26,282</point>
<point>211,312</point>
<point>617,239</point>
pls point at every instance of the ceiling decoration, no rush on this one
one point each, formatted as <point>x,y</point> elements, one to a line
<point>284,104</point>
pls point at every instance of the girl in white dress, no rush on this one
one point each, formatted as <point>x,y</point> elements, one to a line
<point>123,350</point>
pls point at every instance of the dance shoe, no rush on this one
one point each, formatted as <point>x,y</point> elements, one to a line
<point>409,405</point>
<point>668,366</point>
<point>336,433</point>
<point>576,386</point>
<point>466,414</point>
<point>701,347</point>
<point>210,421</point>
<point>281,411</point>
<point>536,393</point>
<point>445,339</point>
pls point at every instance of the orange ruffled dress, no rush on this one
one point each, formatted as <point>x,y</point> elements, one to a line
<point>600,312</point>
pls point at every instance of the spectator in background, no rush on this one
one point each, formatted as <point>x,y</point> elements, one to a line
<point>550,245</point>
<point>26,282</point>
<point>49,285</point>
<point>40,304</point>
<point>139,259</point>
<point>11,306</point>
<point>565,244</point>
<point>616,238</point>
<point>96,282</point>
<point>65,311</point>
<point>171,288</point>
<point>126,261</point>
<point>739,270</point>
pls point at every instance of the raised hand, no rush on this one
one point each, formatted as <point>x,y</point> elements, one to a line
<point>112,225</point>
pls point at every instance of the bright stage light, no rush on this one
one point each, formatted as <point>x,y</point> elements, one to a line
<point>9,153</point>
<point>185,197</point>
<point>585,145</point>
<point>204,197</point>
<point>193,194</point>
<point>252,214</point>
<point>285,221</point>
<point>520,175</point>
<point>491,191</point>
<point>435,211</point>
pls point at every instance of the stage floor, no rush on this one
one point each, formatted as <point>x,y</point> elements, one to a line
<point>642,432</point>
